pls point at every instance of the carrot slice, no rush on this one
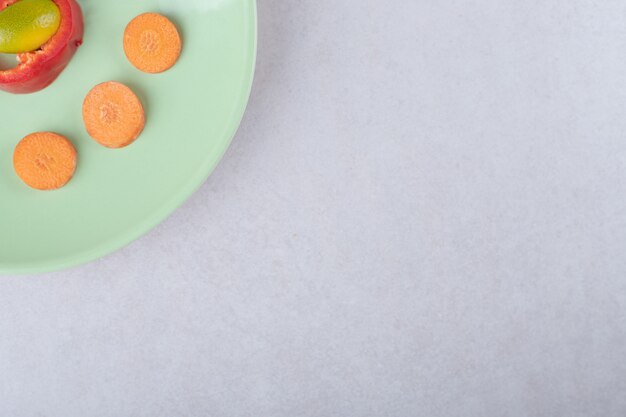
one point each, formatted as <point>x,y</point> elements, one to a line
<point>45,160</point>
<point>152,43</point>
<point>113,114</point>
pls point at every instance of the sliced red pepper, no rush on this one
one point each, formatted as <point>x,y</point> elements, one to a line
<point>38,69</point>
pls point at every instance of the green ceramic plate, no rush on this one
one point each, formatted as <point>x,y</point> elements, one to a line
<point>192,112</point>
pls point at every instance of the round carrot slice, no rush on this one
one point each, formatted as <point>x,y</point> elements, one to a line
<point>152,43</point>
<point>113,115</point>
<point>45,160</point>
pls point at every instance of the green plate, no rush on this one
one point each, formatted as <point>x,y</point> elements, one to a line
<point>192,112</point>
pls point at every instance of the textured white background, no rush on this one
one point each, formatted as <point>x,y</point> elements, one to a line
<point>423,214</point>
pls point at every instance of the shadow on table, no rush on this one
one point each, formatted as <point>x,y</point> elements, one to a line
<point>273,50</point>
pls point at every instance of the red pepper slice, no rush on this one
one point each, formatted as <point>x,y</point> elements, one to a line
<point>38,69</point>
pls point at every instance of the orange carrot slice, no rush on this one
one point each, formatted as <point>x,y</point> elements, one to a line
<point>152,43</point>
<point>113,115</point>
<point>45,160</point>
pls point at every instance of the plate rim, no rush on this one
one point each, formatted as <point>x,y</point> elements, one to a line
<point>164,211</point>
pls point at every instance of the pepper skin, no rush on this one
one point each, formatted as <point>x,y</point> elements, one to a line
<point>38,69</point>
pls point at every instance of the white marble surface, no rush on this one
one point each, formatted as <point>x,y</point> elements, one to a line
<point>423,214</point>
